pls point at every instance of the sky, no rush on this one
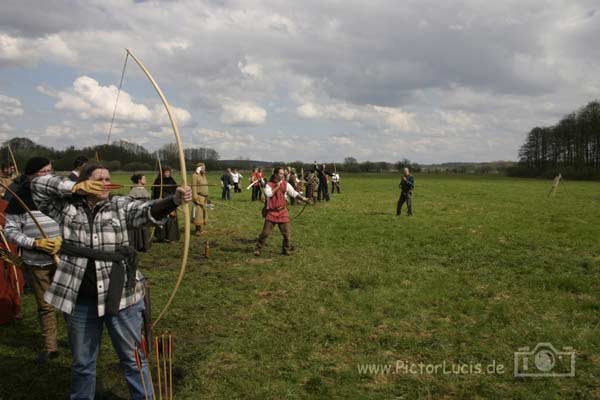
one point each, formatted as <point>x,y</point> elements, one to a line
<point>431,81</point>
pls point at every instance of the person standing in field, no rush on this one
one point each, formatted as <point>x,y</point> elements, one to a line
<point>275,211</point>
<point>312,182</point>
<point>256,181</point>
<point>170,231</point>
<point>37,251</point>
<point>323,189</point>
<point>139,238</point>
<point>237,179</point>
<point>200,197</point>
<point>226,184</point>
<point>97,282</point>
<point>407,185</point>
<point>335,182</point>
<point>261,179</point>
<point>293,182</point>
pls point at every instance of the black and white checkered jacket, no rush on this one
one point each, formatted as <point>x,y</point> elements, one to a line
<point>113,217</point>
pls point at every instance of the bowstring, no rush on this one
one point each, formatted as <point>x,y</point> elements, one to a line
<point>117,100</point>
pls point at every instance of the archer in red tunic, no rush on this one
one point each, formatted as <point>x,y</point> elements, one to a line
<point>276,212</point>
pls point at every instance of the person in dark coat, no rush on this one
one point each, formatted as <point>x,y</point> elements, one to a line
<point>226,185</point>
<point>169,232</point>
<point>407,185</point>
<point>323,190</point>
<point>139,238</point>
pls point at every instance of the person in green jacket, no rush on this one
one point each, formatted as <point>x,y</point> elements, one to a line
<point>407,185</point>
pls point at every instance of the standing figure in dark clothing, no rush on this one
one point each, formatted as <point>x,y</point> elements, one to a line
<point>323,190</point>
<point>139,238</point>
<point>169,232</point>
<point>226,184</point>
<point>407,185</point>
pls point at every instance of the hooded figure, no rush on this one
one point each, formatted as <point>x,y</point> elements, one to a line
<point>169,232</point>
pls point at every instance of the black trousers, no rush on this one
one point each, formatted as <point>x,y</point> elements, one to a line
<point>323,192</point>
<point>405,197</point>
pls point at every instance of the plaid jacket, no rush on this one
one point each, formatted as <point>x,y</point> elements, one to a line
<point>113,217</point>
<point>22,231</point>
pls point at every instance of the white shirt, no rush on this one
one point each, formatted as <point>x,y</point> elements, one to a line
<point>236,176</point>
<point>289,191</point>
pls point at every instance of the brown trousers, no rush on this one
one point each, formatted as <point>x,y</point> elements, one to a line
<point>41,278</point>
<point>284,227</point>
<point>200,214</point>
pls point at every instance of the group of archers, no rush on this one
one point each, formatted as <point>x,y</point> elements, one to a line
<point>78,249</point>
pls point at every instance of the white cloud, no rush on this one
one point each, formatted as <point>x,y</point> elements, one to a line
<point>174,45</point>
<point>59,130</point>
<point>390,118</point>
<point>22,51</point>
<point>309,110</point>
<point>341,140</point>
<point>10,107</point>
<point>243,114</point>
<point>90,100</point>
<point>250,69</point>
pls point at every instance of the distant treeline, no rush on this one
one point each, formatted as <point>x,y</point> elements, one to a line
<point>120,155</point>
<point>571,147</point>
<point>130,157</point>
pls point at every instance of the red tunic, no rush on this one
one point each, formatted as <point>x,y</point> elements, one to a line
<point>11,281</point>
<point>277,211</point>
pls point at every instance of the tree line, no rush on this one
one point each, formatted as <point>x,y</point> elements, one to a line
<point>571,147</point>
<point>125,156</point>
<point>120,155</point>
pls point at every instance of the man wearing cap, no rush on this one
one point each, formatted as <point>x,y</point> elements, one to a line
<point>36,250</point>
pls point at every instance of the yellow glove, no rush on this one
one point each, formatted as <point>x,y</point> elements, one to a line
<point>50,246</point>
<point>88,187</point>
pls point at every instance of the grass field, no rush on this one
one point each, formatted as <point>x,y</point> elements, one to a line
<point>484,267</point>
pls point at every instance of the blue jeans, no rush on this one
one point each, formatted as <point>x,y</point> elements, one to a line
<point>85,333</point>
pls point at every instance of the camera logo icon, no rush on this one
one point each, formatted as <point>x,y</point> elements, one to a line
<point>544,361</point>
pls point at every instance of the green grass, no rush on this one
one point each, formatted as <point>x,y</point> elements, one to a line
<point>484,267</point>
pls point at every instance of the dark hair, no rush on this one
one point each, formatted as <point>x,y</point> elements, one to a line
<point>79,161</point>
<point>34,164</point>
<point>135,178</point>
<point>89,170</point>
